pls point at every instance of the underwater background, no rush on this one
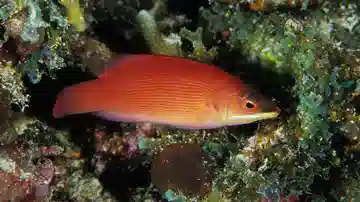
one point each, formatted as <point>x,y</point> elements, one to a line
<point>304,55</point>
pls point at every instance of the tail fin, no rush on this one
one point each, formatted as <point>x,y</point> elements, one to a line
<point>81,98</point>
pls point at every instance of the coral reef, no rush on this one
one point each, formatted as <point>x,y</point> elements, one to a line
<point>304,54</point>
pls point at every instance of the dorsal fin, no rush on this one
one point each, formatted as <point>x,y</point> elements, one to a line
<point>114,61</point>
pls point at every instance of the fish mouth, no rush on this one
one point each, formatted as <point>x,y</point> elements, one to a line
<point>249,118</point>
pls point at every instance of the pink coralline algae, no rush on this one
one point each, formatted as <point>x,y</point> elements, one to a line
<point>44,175</point>
<point>15,187</point>
<point>125,146</point>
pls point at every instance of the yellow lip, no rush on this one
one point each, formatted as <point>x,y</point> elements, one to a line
<point>248,118</point>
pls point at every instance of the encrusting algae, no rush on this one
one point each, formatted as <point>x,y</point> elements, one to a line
<point>184,92</point>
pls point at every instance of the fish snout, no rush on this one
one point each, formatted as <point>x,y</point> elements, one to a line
<point>269,110</point>
<point>269,107</point>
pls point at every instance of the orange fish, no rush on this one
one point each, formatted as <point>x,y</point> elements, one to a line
<point>166,90</point>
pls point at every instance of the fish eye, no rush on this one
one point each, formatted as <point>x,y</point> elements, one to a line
<point>249,105</point>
